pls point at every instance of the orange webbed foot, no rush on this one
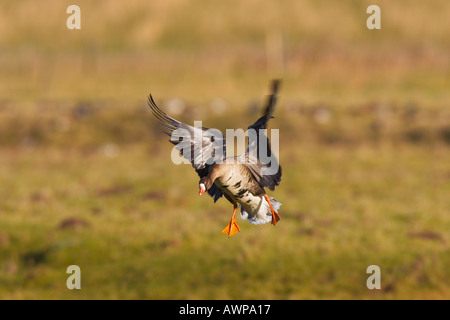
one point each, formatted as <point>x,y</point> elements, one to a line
<point>275,216</point>
<point>233,226</point>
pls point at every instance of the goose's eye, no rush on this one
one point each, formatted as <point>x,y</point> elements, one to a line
<point>212,139</point>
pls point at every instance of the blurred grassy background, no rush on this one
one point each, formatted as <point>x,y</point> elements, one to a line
<point>86,179</point>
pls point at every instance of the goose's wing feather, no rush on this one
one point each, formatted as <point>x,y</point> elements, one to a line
<point>200,146</point>
<point>266,173</point>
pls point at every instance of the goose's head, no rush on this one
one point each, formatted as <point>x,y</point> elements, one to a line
<point>204,185</point>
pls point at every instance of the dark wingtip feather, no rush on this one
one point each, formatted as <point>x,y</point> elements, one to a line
<point>270,106</point>
<point>276,83</point>
<point>167,122</point>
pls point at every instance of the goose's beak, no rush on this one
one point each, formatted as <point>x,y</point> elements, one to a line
<point>202,189</point>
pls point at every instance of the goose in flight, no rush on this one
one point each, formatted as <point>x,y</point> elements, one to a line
<point>240,179</point>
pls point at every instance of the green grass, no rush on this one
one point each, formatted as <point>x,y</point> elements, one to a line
<point>139,231</point>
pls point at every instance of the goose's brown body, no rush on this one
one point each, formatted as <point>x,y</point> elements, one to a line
<point>236,181</point>
<point>240,187</point>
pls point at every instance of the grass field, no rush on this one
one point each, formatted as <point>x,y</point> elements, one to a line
<point>86,176</point>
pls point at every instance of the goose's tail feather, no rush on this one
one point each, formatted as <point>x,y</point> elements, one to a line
<point>262,214</point>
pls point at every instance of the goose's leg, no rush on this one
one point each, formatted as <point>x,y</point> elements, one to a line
<point>232,227</point>
<point>275,215</point>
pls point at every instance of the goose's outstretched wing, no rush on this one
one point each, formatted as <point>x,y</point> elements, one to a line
<point>199,145</point>
<point>261,162</point>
